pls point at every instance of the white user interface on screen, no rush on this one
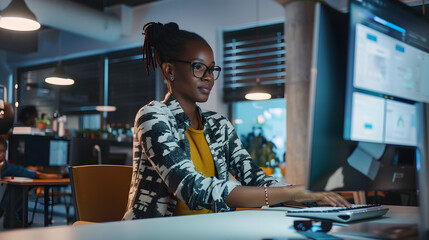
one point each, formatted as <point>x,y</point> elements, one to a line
<point>387,66</point>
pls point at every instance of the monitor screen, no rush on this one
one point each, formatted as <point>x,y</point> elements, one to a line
<point>366,97</point>
<point>58,152</point>
<point>34,150</point>
<point>388,62</point>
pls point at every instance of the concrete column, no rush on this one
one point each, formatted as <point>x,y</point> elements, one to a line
<point>299,16</point>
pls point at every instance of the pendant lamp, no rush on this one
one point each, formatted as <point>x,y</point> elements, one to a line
<point>18,17</point>
<point>105,108</point>
<point>257,93</point>
<point>59,76</point>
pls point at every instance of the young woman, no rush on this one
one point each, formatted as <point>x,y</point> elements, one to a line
<point>183,154</point>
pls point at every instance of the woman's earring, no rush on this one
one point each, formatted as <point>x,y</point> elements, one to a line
<point>171,78</point>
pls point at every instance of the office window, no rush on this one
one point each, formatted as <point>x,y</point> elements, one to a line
<point>261,126</point>
<point>130,88</point>
<point>252,53</point>
<point>67,100</point>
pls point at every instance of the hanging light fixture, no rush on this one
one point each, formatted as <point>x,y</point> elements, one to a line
<point>105,108</point>
<point>257,93</point>
<point>18,17</point>
<point>59,76</point>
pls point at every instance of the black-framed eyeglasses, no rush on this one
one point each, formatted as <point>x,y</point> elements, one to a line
<point>199,69</point>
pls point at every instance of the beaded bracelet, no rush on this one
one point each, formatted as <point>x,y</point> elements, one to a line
<point>266,197</point>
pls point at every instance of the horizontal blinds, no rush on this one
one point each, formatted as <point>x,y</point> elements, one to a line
<point>130,88</point>
<point>250,54</point>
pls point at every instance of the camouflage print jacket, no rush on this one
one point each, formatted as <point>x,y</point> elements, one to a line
<point>163,171</point>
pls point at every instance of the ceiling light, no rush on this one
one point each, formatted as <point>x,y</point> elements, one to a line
<point>18,17</point>
<point>105,108</point>
<point>257,96</point>
<point>256,93</point>
<point>59,76</point>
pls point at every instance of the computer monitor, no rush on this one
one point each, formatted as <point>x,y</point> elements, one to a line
<point>34,150</point>
<point>58,152</point>
<point>368,112</point>
<point>366,92</point>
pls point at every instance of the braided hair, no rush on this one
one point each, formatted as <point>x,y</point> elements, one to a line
<point>164,42</point>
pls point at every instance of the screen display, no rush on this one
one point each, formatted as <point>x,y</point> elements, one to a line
<point>58,152</point>
<point>356,84</point>
<point>388,61</point>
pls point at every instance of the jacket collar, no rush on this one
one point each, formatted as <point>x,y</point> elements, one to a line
<point>178,113</point>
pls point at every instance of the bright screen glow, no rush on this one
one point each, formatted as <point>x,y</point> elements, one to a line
<point>58,153</point>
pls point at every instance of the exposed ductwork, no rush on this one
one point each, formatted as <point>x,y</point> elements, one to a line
<point>75,18</point>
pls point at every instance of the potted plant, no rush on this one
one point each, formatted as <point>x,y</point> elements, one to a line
<point>42,122</point>
<point>262,151</point>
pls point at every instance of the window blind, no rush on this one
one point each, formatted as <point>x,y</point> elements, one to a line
<point>251,54</point>
<point>130,88</point>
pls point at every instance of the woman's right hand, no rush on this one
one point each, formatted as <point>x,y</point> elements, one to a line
<point>300,194</point>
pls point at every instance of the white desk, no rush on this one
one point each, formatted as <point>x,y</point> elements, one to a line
<point>250,224</point>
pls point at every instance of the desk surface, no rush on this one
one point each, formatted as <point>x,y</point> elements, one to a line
<point>37,182</point>
<point>250,224</point>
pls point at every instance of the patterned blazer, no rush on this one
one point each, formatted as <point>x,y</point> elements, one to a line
<point>163,170</point>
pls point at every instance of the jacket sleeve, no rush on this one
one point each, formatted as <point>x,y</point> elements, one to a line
<point>173,165</point>
<point>242,166</point>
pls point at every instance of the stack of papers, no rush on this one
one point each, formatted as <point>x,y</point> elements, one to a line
<point>18,179</point>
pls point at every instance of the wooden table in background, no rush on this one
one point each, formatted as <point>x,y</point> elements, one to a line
<point>24,185</point>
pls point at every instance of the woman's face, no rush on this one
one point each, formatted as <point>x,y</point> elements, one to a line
<point>185,85</point>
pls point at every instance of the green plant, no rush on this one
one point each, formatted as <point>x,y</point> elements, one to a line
<point>260,149</point>
<point>44,119</point>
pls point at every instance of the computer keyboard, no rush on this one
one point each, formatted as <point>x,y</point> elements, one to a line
<point>340,214</point>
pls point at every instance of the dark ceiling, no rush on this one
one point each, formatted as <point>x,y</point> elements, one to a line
<point>100,4</point>
<point>27,42</point>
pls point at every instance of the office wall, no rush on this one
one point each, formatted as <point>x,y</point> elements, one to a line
<point>205,17</point>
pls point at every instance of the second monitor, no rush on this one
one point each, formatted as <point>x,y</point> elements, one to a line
<point>340,157</point>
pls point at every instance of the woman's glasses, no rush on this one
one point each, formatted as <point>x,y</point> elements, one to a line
<point>199,70</point>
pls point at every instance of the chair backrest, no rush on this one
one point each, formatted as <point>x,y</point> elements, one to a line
<point>100,192</point>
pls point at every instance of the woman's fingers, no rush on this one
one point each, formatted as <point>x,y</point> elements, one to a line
<point>333,199</point>
<point>325,198</point>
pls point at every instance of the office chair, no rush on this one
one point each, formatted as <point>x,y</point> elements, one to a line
<point>100,192</point>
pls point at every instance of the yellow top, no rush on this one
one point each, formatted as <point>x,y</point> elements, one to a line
<point>203,161</point>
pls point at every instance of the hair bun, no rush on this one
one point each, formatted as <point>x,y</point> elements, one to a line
<point>171,27</point>
<point>155,31</point>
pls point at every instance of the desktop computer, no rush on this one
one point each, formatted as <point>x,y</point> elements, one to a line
<point>34,150</point>
<point>363,136</point>
<point>368,100</point>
